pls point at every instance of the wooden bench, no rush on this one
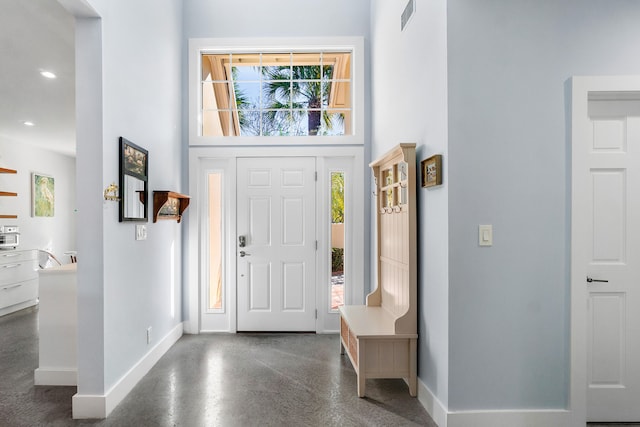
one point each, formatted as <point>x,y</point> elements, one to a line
<point>380,337</point>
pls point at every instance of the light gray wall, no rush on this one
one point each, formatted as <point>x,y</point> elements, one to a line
<point>409,93</point>
<point>89,179</point>
<point>509,61</point>
<point>134,56</point>
<point>55,234</point>
<point>275,18</point>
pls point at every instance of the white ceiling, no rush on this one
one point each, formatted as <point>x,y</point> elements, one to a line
<point>37,35</point>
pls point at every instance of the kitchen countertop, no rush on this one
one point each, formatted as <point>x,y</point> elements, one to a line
<point>61,269</point>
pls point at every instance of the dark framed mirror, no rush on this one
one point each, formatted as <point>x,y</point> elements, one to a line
<point>134,173</point>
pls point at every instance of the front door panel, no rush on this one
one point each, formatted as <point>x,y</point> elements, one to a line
<point>276,265</point>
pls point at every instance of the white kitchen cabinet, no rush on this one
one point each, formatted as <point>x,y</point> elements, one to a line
<point>58,327</point>
<point>18,280</point>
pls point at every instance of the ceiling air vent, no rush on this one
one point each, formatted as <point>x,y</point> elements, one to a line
<point>407,14</point>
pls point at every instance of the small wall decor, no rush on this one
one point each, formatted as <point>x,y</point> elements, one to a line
<point>111,193</point>
<point>431,171</point>
<point>42,195</point>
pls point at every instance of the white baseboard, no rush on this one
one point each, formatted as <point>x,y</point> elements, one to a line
<point>100,406</point>
<point>488,418</point>
<point>42,376</point>
<point>434,407</point>
<point>511,418</point>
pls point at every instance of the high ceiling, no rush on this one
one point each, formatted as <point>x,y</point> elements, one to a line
<point>37,35</point>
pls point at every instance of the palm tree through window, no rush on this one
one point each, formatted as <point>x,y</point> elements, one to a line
<point>276,94</point>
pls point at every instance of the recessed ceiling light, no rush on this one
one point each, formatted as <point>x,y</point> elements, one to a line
<point>47,74</point>
<point>28,123</point>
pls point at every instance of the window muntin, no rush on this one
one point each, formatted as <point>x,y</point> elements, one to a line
<point>276,94</point>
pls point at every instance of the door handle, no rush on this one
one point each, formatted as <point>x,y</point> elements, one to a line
<point>590,280</point>
<point>244,254</point>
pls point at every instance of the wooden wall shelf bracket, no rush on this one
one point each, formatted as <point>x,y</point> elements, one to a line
<point>169,205</point>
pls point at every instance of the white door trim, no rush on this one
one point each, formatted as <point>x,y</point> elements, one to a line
<point>329,321</point>
<point>581,87</point>
<point>199,157</point>
<point>224,319</point>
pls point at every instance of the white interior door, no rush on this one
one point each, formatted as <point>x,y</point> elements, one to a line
<point>276,264</point>
<point>607,235</point>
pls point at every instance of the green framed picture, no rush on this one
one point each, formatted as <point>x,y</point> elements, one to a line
<point>42,195</point>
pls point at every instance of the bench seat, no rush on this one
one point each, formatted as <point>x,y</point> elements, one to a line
<point>375,350</point>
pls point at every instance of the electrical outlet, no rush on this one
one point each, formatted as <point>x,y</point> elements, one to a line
<point>141,232</point>
<point>149,335</point>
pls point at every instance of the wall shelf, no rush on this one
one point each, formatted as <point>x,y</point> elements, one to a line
<point>8,193</point>
<point>169,205</point>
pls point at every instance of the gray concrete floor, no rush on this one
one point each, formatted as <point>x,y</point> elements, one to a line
<point>214,380</point>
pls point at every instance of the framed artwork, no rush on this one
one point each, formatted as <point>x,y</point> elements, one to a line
<point>134,172</point>
<point>134,159</point>
<point>42,195</point>
<point>432,171</point>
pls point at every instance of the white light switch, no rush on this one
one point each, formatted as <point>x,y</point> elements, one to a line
<point>485,235</point>
<point>141,232</point>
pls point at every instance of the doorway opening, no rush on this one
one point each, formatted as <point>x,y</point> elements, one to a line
<point>605,147</point>
<point>227,219</point>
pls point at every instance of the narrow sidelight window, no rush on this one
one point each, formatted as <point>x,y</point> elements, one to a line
<point>215,289</point>
<point>337,286</point>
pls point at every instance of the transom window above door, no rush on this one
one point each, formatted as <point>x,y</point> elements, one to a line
<point>276,94</point>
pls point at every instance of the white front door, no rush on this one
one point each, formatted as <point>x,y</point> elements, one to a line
<point>606,239</point>
<point>276,253</point>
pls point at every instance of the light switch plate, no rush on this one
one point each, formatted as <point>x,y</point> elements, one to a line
<point>141,232</point>
<point>485,235</point>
